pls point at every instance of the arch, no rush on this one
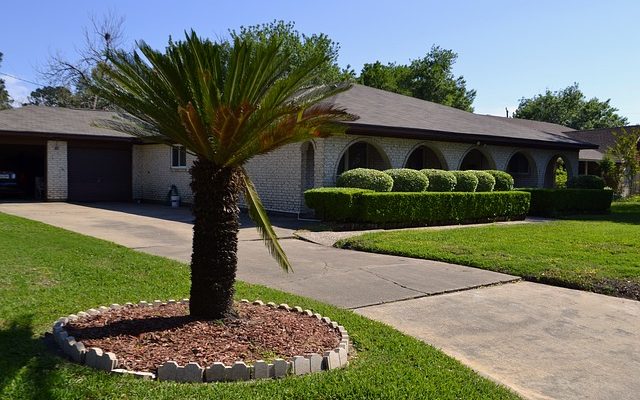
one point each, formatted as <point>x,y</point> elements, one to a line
<point>423,156</point>
<point>362,154</point>
<point>477,159</point>
<point>523,169</point>
<point>554,162</point>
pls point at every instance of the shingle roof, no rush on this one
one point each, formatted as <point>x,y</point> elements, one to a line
<point>603,137</point>
<point>391,112</point>
<point>56,120</point>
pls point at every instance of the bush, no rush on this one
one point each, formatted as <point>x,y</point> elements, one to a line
<point>333,204</point>
<point>440,180</point>
<point>557,202</point>
<point>429,208</point>
<point>466,181</point>
<point>504,181</point>
<point>586,182</point>
<point>365,178</point>
<point>486,181</point>
<point>407,180</point>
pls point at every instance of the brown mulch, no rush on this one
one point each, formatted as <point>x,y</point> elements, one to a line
<point>143,338</point>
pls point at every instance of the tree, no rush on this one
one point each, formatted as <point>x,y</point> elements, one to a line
<point>625,151</point>
<point>225,104</point>
<point>104,37</point>
<point>300,46</point>
<point>570,107</point>
<point>53,96</point>
<point>5,99</point>
<point>429,78</point>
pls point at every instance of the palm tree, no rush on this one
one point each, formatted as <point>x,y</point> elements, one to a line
<point>225,103</point>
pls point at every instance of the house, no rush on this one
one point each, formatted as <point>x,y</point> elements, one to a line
<point>77,161</point>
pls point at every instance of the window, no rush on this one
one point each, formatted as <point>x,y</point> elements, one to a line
<point>178,157</point>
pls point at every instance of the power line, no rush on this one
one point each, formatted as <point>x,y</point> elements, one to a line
<point>24,80</point>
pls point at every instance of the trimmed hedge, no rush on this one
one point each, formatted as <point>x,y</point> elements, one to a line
<point>504,180</point>
<point>333,204</point>
<point>557,202</point>
<point>486,181</point>
<point>440,180</point>
<point>415,209</point>
<point>586,182</point>
<point>365,178</point>
<point>407,180</point>
<point>466,181</point>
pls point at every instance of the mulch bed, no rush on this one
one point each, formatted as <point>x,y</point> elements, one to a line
<point>143,338</point>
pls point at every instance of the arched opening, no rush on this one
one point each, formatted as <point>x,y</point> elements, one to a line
<point>523,170</point>
<point>477,160</point>
<point>362,155</point>
<point>557,172</point>
<point>424,157</point>
<point>308,170</point>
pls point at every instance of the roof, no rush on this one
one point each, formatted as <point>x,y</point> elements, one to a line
<point>57,120</point>
<point>385,113</point>
<point>603,137</point>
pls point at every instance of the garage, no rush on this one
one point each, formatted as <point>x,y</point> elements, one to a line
<point>22,171</point>
<point>99,171</point>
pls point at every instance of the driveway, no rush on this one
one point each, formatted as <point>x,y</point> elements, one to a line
<point>542,341</point>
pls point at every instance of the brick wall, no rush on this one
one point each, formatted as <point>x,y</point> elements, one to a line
<point>153,174</point>
<point>57,172</point>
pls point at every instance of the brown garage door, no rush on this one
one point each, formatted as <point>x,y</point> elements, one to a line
<point>99,172</point>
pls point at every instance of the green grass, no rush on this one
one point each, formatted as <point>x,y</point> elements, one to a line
<point>46,272</point>
<point>599,253</point>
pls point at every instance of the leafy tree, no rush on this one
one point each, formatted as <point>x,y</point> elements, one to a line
<point>5,99</point>
<point>225,104</point>
<point>625,151</point>
<point>429,78</point>
<point>301,47</point>
<point>610,173</point>
<point>570,107</point>
<point>53,96</point>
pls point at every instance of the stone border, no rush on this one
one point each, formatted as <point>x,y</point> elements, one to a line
<point>192,372</point>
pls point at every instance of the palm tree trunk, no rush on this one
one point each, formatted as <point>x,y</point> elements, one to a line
<point>215,239</point>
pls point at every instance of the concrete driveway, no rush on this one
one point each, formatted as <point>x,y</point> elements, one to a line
<point>542,341</point>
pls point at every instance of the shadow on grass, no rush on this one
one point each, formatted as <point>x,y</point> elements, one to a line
<point>623,212</point>
<point>26,363</point>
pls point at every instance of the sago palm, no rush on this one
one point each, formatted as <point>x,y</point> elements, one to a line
<point>225,103</point>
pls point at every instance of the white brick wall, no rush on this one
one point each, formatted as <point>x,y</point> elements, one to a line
<point>153,174</point>
<point>57,174</point>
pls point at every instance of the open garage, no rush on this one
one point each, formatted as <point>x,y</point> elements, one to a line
<point>22,171</point>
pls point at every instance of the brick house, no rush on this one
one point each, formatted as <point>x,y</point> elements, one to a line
<point>77,161</point>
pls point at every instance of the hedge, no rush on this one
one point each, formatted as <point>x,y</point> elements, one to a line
<point>504,180</point>
<point>333,204</point>
<point>440,180</point>
<point>407,180</point>
<point>365,178</point>
<point>417,209</point>
<point>466,181</point>
<point>557,202</point>
<point>586,182</point>
<point>486,181</point>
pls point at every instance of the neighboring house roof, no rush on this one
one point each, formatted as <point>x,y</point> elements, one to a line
<point>57,121</point>
<point>385,113</point>
<point>603,137</point>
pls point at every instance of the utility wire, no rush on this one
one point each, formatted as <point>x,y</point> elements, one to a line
<point>24,80</point>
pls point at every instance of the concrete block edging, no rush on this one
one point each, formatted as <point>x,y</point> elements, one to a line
<point>192,372</point>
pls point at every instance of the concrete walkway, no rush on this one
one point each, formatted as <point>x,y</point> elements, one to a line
<point>542,341</point>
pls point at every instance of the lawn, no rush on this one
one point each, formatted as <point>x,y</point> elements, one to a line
<point>46,272</point>
<point>598,253</point>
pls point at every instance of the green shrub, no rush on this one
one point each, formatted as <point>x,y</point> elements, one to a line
<point>333,204</point>
<point>466,181</point>
<point>557,202</point>
<point>440,180</point>
<point>364,178</point>
<point>407,180</point>
<point>430,208</point>
<point>486,181</point>
<point>504,180</point>
<point>586,182</point>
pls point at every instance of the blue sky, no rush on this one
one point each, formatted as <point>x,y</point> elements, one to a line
<point>507,49</point>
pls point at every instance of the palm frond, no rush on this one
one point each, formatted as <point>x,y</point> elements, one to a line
<point>263,225</point>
